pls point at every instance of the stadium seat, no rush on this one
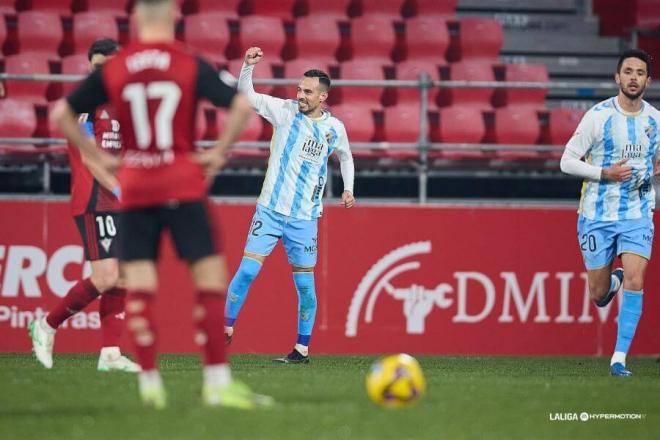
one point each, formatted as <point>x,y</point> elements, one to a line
<point>426,8</point>
<point>61,7</point>
<point>523,73</point>
<point>410,70</point>
<point>90,26</point>
<point>227,7</point>
<point>479,39</point>
<point>7,7</point>
<point>372,37</point>
<point>359,69</point>
<point>402,123</point>
<point>40,32</point>
<point>426,38</point>
<point>282,9</point>
<point>467,71</point>
<point>19,118</point>
<point>358,120</point>
<point>562,123</point>
<point>515,126</point>
<point>253,131</point>
<point>30,63</point>
<point>208,33</point>
<point>3,32</point>
<point>389,8</point>
<point>74,65</point>
<point>317,36</point>
<point>118,8</point>
<point>264,32</point>
<point>459,124</point>
<point>332,9</point>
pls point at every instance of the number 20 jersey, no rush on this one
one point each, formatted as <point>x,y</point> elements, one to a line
<point>154,89</point>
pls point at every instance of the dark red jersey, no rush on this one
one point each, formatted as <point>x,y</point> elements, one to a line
<point>87,194</point>
<point>154,89</point>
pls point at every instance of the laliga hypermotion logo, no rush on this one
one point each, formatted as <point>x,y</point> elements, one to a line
<point>417,300</point>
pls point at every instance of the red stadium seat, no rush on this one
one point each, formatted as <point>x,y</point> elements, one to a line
<point>425,8</point>
<point>467,71</point>
<point>335,9</point>
<point>402,123</point>
<point>317,35</point>
<point>390,8</point>
<point>359,69</point>
<point>61,7</point>
<point>19,118</point>
<point>253,130</point>
<point>227,7</point>
<point>358,120</point>
<point>264,32</point>
<point>33,91</point>
<point>3,32</point>
<point>282,9</point>
<point>90,26</point>
<point>523,73</point>
<point>426,38</point>
<point>208,33</point>
<point>459,124</point>
<point>515,126</point>
<point>39,32</point>
<point>410,70</point>
<point>74,65</point>
<point>114,7</point>
<point>372,37</point>
<point>7,7</point>
<point>562,123</point>
<point>479,39</point>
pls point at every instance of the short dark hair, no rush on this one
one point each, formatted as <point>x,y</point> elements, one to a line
<point>321,75</point>
<point>635,53</point>
<point>103,46</point>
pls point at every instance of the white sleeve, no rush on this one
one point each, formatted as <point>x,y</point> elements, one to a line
<point>346,165</point>
<point>273,109</point>
<point>577,147</point>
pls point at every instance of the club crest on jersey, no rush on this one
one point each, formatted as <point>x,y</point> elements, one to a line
<point>649,131</point>
<point>330,137</point>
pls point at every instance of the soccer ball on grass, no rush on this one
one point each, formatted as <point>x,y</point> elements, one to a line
<point>396,381</point>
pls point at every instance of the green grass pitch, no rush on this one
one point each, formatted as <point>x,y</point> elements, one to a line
<point>467,397</point>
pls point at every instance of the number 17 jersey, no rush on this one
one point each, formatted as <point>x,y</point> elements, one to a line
<point>154,89</point>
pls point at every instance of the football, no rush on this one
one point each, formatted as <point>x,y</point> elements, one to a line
<point>395,381</point>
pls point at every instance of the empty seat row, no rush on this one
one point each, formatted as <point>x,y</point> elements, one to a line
<point>286,9</point>
<point>425,37</point>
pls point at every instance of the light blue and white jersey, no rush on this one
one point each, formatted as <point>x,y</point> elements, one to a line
<point>606,135</point>
<point>299,151</point>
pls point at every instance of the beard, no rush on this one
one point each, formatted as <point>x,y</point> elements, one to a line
<point>633,96</point>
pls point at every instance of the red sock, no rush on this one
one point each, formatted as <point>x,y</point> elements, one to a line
<point>140,323</point>
<point>111,311</point>
<point>80,295</point>
<point>209,318</point>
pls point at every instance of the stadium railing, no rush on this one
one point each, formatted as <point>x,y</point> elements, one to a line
<point>50,151</point>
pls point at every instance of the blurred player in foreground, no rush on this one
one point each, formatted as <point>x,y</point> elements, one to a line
<point>618,139</point>
<point>155,86</point>
<point>290,202</point>
<point>94,207</point>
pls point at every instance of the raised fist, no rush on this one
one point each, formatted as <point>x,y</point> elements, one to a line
<point>253,55</point>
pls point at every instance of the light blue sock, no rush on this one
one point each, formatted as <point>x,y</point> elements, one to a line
<point>239,288</point>
<point>631,310</point>
<point>304,282</point>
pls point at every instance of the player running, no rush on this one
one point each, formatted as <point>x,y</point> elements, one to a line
<point>94,209</point>
<point>304,137</point>
<point>618,139</point>
<point>155,86</point>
